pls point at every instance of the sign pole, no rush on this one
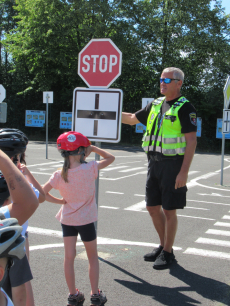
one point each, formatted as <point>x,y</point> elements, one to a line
<point>47,98</point>
<point>222,160</point>
<point>226,123</point>
<point>97,158</point>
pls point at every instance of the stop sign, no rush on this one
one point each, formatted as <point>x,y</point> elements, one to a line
<point>99,63</point>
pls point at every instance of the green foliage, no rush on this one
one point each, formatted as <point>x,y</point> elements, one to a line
<point>42,39</point>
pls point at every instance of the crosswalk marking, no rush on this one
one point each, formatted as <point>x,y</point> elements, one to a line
<point>213,242</point>
<point>222,224</point>
<point>110,207</point>
<point>218,232</point>
<point>226,217</point>
<point>207,253</point>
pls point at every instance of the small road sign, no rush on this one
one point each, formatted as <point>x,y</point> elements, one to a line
<point>2,93</point>
<point>48,95</point>
<point>227,93</point>
<point>97,113</point>
<point>226,121</point>
<point>99,63</point>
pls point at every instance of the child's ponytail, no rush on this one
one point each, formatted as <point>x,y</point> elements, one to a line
<point>64,172</point>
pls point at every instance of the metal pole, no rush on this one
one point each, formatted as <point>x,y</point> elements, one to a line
<point>222,160</point>
<point>47,97</point>
<point>97,157</point>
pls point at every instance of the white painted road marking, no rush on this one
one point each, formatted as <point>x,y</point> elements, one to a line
<point>114,192</point>
<point>132,169</point>
<point>218,232</point>
<point>100,240</point>
<point>222,224</point>
<point>213,242</point>
<point>207,253</point>
<point>110,207</point>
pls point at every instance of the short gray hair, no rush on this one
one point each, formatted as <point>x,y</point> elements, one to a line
<point>177,73</point>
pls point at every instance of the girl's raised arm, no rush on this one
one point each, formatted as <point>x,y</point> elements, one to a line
<point>108,158</point>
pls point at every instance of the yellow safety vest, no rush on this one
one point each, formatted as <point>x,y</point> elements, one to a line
<point>167,137</point>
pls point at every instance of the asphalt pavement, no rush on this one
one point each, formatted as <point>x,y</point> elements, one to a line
<point>200,274</point>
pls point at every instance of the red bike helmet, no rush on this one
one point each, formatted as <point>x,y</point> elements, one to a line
<point>71,141</point>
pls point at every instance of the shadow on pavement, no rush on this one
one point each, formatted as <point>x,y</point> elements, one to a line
<point>206,287</point>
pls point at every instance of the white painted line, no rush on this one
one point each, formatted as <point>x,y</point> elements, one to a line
<point>218,232</point>
<point>226,217</point>
<point>213,242</point>
<point>114,168</point>
<point>195,217</point>
<point>48,246</point>
<point>122,177</point>
<point>192,172</point>
<point>133,162</point>
<point>61,162</point>
<point>104,241</point>
<point>109,207</point>
<point>139,195</point>
<point>222,224</point>
<point>208,202</point>
<point>33,172</point>
<point>137,207</point>
<point>196,208</point>
<point>133,169</point>
<point>114,192</point>
<point>207,253</point>
<point>45,232</point>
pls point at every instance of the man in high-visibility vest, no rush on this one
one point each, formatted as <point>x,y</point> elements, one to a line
<point>170,142</point>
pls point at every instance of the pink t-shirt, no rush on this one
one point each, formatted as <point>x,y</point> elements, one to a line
<point>79,194</point>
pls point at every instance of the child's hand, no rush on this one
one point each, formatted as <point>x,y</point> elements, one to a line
<point>63,201</point>
<point>88,150</point>
<point>23,168</point>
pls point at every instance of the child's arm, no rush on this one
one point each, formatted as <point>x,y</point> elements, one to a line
<point>33,181</point>
<point>24,201</point>
<point>108,158</point>
<point>46,188</point>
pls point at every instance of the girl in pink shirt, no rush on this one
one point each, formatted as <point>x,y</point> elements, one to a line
<point>76,184</point>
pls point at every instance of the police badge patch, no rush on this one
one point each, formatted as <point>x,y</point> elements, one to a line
<point>192,117</point>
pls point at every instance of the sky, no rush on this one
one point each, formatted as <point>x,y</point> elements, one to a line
<point>226,5</point>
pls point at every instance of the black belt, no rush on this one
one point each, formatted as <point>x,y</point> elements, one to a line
<point>162,157</point>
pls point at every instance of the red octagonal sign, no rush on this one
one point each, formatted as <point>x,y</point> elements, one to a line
<point>99,63</point>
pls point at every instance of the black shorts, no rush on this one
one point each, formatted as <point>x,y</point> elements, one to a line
<point>160,184</point>
<point>87,232</point>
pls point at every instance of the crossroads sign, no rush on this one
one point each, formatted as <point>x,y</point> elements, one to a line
<point>97,113</point>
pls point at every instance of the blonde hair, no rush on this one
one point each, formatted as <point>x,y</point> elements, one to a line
<point>64,171</point>
<point>177,73</point>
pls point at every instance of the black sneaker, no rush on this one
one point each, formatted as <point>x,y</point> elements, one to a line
<point>153,256</point>
<point>98,299</point>
<point>76,299</point>
<point>164,260</point>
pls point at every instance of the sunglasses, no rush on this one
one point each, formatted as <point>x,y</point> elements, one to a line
<point>167,80</point>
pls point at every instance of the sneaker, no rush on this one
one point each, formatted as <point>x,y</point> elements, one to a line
<point>153,256</point>
<point>164,260</point>
<point>98,299</point>
<point>74,299</point>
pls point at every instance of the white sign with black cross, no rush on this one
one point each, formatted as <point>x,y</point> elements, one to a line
<point>97,113</point>
<point>226,121</point>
